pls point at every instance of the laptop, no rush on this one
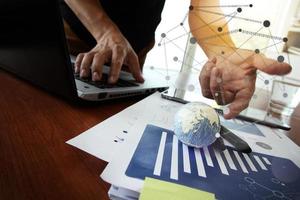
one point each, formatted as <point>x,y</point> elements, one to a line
<point>33,46</point>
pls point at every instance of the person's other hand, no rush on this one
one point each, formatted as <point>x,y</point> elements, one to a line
<point>234,84</point>
<point>112,48</point>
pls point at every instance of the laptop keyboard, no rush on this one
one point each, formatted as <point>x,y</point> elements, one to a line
<point>103,84</point>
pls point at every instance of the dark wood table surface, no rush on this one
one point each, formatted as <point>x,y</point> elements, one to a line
<point>35,161</point>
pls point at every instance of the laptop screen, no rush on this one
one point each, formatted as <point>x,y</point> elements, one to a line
<point>32,45</point>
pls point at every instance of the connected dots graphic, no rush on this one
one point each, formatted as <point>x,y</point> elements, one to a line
<point>191,87</point>
<point>169,39</point>
<point>193,40</point>
<point>267,82</point>
<point>261,191</point>
<point>280,58</point>
<point>267,23</point>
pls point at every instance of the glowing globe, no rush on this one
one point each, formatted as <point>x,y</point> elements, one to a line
<point>197,124</point>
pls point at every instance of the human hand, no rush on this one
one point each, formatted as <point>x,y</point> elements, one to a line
<point>234,83</point>
<point>111,47</point>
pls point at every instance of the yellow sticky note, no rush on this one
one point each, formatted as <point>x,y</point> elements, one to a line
<point>161,190</point>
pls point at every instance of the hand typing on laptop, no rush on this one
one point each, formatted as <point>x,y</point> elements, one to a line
<point>111,47</point>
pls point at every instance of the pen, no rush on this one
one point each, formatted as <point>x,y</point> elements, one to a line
<point>236,141</point>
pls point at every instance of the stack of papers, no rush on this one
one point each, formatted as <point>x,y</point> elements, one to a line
<point>140,145</point>
<point>118,193</point>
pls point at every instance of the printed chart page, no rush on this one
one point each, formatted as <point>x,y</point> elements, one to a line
<point>152,150</point>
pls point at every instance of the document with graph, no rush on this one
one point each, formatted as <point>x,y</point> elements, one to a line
<point>228,174</point>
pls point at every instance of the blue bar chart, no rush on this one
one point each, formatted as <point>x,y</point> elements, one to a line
<point>228,174</point>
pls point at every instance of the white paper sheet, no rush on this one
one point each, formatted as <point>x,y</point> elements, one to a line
<point>100,140</point>
<point>105,138</point>
<point>114,173</point>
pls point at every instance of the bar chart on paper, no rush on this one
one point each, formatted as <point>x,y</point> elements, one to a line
<point>228,174</point>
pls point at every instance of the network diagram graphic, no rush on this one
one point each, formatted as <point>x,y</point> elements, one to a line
<point>251,186</point>
<point>169,39</point>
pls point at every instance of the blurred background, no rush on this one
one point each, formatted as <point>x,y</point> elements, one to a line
<point>285,22</point>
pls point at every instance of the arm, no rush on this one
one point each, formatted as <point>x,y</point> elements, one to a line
<point>111,44</point>
<point>92,15</point>
<point>230,74</point>
<point>204,25</point>
<point>212,33</point>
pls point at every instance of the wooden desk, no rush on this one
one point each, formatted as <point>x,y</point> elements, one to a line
<point>35,161</point>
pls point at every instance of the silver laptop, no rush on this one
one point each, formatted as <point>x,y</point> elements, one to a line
<point>126,86</point>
